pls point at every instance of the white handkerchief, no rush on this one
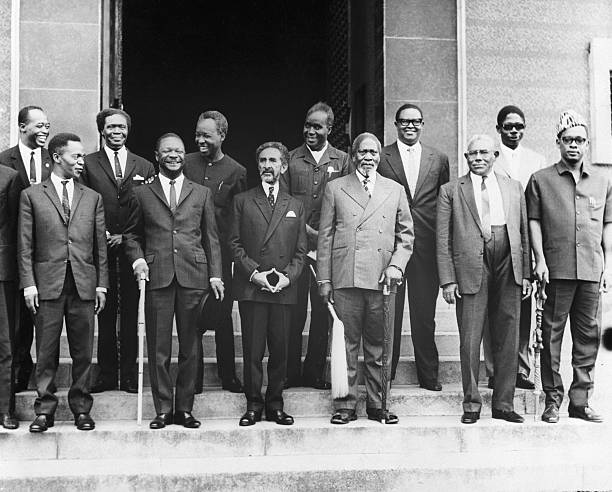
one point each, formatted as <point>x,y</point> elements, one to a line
<point>291,213</point>
<point>138,177</point>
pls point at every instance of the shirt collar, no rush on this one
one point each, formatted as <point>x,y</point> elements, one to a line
<point>57,181</point>
<point>266,187</point>
<point>24,149</point>
<point>564,168</point>
<point>111,153</point>
<point>361,177</point>
<point>408,148</point>
<point>166,181</point>
<point>477,179</point>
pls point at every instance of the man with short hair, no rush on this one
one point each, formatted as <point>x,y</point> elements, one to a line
<point>421,169</point>
<point>484,266</point>
<point>570,221</point>
<point>63,272</point>
<point>225,178</point>
<point>113,171</point>
<point>311,166</point>
<point>33,163</point>
<point>172,241</point>
<point>365,240</point>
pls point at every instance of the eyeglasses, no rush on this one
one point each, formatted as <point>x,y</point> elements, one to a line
<point>569,140</point>
<point>509,126</point>
<point>474,153</point>
<point>406,123</point>
<point>363,153</point>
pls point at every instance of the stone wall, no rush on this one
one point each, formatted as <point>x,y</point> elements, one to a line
<point>5,73</point>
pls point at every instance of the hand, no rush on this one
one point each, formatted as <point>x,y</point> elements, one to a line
<point>100,302</point>
<point>283,281</point>
<point>449,292</point>
<point>606,280</point>
<point>114,240</point>
<point>218,288</point>
<point>325,291</point>
<point>541,271</point>
<point>141,271</point>
<point>31,302</point>
<point>260,279</point>
<point>391,276</point>
<point>527,288</point>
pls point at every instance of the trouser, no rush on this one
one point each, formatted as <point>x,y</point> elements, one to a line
<point>7,346</point>
<point>24,336</point>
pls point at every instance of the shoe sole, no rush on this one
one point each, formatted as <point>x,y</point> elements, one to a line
<point>597,421</point>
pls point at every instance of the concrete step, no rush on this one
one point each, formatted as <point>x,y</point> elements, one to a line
<point>214,403</point>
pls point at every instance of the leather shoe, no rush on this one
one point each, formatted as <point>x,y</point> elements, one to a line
<point>42,422</point>
<point>249,418</point>
<point>470,417</point>
<point>129,386</point>
<point>232,385</point>
<point>160,421</point>
<point>343,416</point>
<point>278,416</point>
<point>491,383</point>
<point>9,421</point>
<point>551,414</point>
<point>100,386</point>
<point>84,422</point>
<point>507,415</point>
<point>318,383</point>
<point>584,413</point>
<point>383,416</point>
<point>292,383</point>
<point>431,386</point>
<point>186,420</point>
<point>523,382</point>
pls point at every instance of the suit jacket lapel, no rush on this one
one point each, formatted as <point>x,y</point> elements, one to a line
<point>380,195</point>
<point>76,198</point>
<point>52,194</point>
<point>262,203</point>
<point>186,189</point>
<point>130,166</point>
<point>106,166</point>
<point>505,194</point>
<point>277,214</point>
<point>465,185</point>
<point>19,165</point>
<point>424,167</point>
<point>502,166</point>
<point>354,190</point>
<point>158,191</point>
<point>397,166</point>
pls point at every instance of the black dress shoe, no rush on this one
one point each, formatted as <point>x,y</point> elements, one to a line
<point>491,383</point>
<point>383,416</point>
<point>41,423</point>
<point>278,416</point>
<point>129,386</point>
<point>318,383</point>
<point>431,386</point>
<point>292,383</point>
<point>232,385</point>
<point>523,382</point>
<point>84,422</point>
<point>186,420</point>
<point>100,386</point>
<point>249,418</point>
<point>470,417</point>
<point>584,413</point>
<point>508,416</point>
<point>160,421</point>
<point>9,421</point>
<point>343,416</point>
<point>21,385</point>
<point>551,414</point>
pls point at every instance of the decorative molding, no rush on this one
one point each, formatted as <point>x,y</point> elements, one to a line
<point>600,76</point>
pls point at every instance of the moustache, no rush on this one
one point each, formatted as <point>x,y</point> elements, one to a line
<point>266,170</point>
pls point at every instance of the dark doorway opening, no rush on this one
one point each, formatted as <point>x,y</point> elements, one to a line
<point>261,63</point>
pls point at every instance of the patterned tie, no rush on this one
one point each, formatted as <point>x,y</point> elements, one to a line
<point>271,196</point>
<point>172,196</point>
<point>118,173</point>
<point>32,168</point>
<point>486,210</point>
<point>366,181</point>
<point>65,201</point>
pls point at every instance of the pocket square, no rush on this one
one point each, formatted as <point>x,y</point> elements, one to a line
<point>291,213</point>
<point>138,177</point>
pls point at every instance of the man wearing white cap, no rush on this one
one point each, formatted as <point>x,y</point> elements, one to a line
<point>569,207</point>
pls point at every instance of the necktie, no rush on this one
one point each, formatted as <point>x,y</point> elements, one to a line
<point>366,181</point>
<point>486,209</point>
<point>118,173</point>
<point>65,201</point>
<point>271,196</point>
<point>32,168</point>
<point>172,196</point>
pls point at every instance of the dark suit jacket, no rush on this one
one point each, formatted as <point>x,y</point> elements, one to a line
<point>99,175</point>
<point>10,187</point>
<point>262,238</point>
<point>433,173</point>
<point>12,158</point>
<point>46,242</point>
<point>460,248</point>
<point>184,244</point>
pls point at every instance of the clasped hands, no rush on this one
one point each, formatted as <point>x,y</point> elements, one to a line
<point>260,279</point>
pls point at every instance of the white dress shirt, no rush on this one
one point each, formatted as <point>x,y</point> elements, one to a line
<point>178,186</point>
<point>121,154</point>
<point>371,182</point>
<point>317,154</point>
<point>411,160</point>
<point>496,203</point>
<point>26,154</point>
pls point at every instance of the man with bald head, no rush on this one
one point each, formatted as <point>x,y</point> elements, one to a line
<point>483,262</point>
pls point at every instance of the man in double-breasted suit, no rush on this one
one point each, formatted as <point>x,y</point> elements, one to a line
<point>268,242</point>
<point>172,241</point>
<point>365,242</point>
<point>484,265</point>
<point>10,187</point>
<point>421,169</point>
<point>63,273</point>
<point>33,163</point>
<point>113,171</point>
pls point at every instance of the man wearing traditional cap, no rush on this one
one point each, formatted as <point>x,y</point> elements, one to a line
<point>570,222</point>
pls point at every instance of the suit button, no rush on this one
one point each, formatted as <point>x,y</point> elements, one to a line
<point>174,232</point>
<point>65,261</point>
<point>69,241</point>
<point>315,195</point>
<point>175,250</point>
<point>209,164</point>
<point>205,178</point>
<point>316,182</point>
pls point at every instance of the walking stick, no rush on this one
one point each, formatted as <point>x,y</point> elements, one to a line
<point>538,346</point>
<point>385,348</point>
<point>141,333</point>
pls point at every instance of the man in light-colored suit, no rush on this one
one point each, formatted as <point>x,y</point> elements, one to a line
<point>172,241</point>
<point>63,273</point>
<point>483,262</point>
<point>268,241</point>
<point>517,162</point>
<point>365,241</point>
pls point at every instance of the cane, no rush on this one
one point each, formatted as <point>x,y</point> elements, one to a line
<point>141,333</point>
<point>538,346</point>
<point>385,347</point>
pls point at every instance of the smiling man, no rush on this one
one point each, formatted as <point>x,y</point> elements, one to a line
<point>113,172</point>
